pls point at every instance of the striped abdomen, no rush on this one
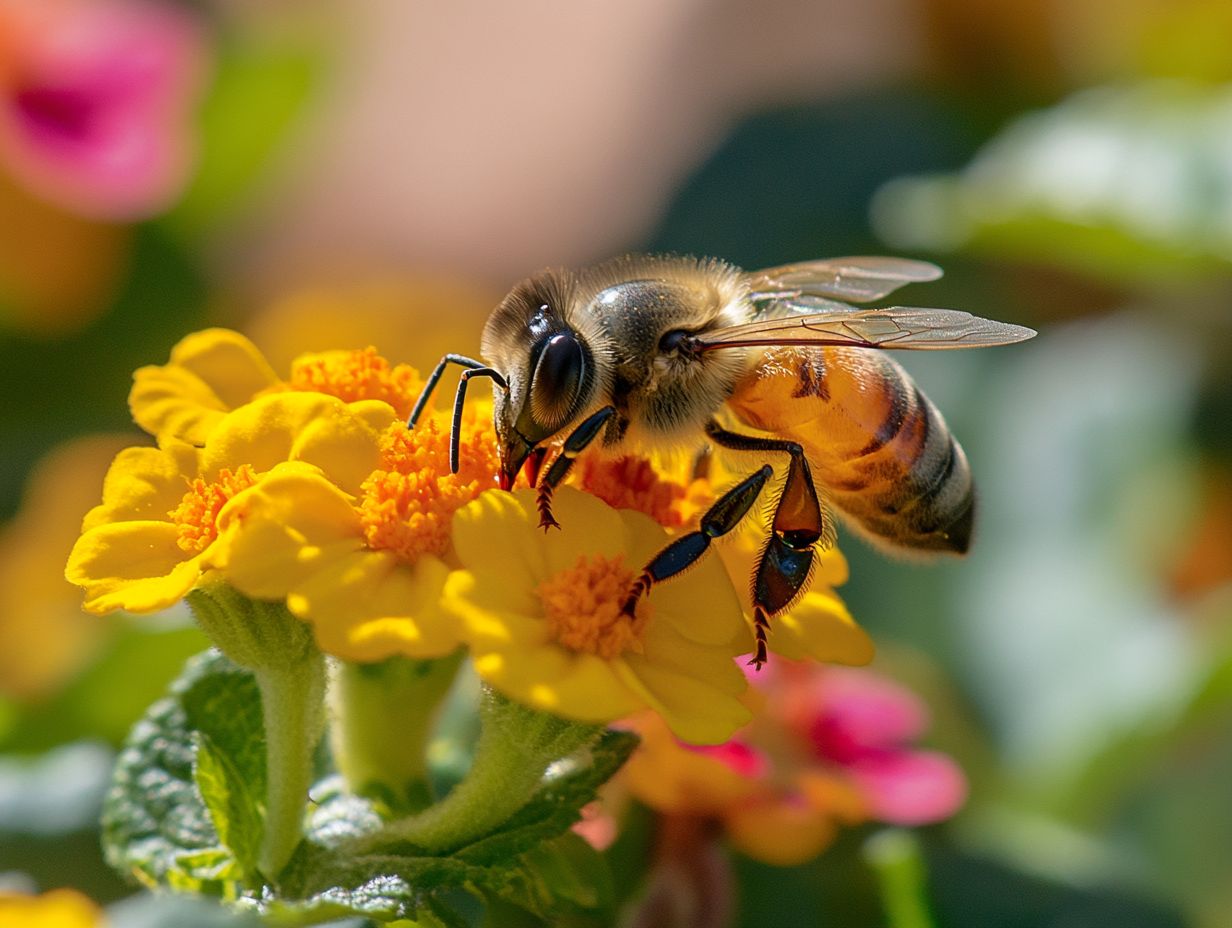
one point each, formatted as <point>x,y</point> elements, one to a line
<point>881,452</point>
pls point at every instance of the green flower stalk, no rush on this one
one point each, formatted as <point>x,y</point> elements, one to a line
<point>382,716</point>
<point>290,673</point>
<point>516,747</point>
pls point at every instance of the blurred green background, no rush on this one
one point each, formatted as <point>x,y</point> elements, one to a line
<point>381,172</point>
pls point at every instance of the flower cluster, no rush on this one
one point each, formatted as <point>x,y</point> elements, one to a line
<point>299,515</point>
<point>309,489</point>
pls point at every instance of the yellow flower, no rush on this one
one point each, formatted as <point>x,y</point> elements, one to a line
<point>60,908</point>
<point>366,566</point>
<point>217,370</point>
<point>542,616</point>
<point>157,532</point>
<point>45,638</point>
<point>818,626</point>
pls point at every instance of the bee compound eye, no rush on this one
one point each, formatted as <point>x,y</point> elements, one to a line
<point>673,340</point>
<point>557,380</point>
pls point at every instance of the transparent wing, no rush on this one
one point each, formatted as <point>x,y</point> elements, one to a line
<point>905,327</point>
<point>860,279</point>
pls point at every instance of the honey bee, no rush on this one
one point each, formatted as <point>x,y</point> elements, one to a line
<point>646,353</point>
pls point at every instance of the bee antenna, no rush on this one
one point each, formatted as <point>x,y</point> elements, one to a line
<point>459,401</point>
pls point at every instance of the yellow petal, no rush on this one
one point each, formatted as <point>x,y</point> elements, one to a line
<point>309,427</point>
<point>174,402</point>
<point>701,603</point>
<point>821,628</point>
<point>588,525</point>
<point>783,832</point>
<point>144,484</point>
<point>227,362</point>
<point>664,646</point>
<point>694,709</point>
<point>832,569</point>
<point>369,606</point>
<point>136,566</point>
<point>276,534</point>
<point>576,686</point>
<point>209,373</point>
<point>60,908</point>
<point>491,618</point>
<point>494,536</point>
<point>376,413</point>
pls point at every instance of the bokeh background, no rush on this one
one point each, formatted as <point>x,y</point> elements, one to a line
<point>336,174</point>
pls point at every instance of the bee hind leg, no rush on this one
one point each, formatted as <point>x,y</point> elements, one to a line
<point>787,560</point>
<point>577,442</point>
<point>723,516</point>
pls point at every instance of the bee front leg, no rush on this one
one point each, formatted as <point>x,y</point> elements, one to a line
<point>577,442</point>
<point>787,560</point>
<point>723,516</point>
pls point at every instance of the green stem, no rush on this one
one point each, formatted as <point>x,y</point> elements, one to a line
<point>382,716</point>
<point>290,673</point>
<point>516,746</point>
<point>293,705</point>
<point>894,855</point>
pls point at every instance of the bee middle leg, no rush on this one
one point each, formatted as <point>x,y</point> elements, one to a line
<point>722,516</point>
<point>577,442</point>
<point>787,560</point>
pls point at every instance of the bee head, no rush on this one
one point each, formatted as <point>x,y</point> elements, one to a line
<point>547,362</point>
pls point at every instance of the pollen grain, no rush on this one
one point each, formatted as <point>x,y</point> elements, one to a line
<point>196,517</point>
<point>582,606</point>
<point>362,374</point>
<point>407,505</point>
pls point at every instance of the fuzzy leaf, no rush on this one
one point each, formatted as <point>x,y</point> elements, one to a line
<point>156,827</point>
<point>531,861</point>
<point>232,805</point>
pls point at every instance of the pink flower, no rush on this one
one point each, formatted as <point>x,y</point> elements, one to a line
<point>96,98</point>
<point>864,724</point>
<point>829,747</point>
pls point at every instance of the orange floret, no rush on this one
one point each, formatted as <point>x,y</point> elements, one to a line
<point>407,505</point>
<point>356,375</point>
<point>196,516</point>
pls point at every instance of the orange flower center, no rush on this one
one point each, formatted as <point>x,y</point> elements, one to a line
<point>582,606</point>
<point>633,483</point>
<point>357,375</point>
<point>196,517</point>
<point>407,505</point>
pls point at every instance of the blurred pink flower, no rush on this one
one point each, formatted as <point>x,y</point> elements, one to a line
<point>828,747</point>
<point>96,100</point>
<point>864,724</point>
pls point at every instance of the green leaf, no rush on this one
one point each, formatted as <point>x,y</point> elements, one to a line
<point>561,875</point>
<point>1127,183</point>
<point>232,805</point>
<point>156,827</point>
<point>530,861</point>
